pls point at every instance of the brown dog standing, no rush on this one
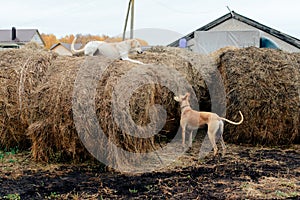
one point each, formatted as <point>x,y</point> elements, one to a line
<point>193,119</point>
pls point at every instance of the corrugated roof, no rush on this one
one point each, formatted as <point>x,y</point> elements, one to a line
<point>287,38</point>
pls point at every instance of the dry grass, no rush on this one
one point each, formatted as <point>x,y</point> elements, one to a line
<point>272,187</point>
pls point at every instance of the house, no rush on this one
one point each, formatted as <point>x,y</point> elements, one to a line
<point>64,48</point>
<point>234,29</point>
<point>17,38</point>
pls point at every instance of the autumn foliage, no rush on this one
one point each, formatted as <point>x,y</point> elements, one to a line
<point>51,39</point>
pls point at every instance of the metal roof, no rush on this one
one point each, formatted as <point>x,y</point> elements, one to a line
<point>22,35</point>
<point>287,38</point>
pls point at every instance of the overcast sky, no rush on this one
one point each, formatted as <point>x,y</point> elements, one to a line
<point>62,17</point>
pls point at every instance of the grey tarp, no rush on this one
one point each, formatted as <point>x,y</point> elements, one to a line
<point>209,41</point>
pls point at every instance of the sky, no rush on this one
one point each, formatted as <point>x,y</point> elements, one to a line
<point>167,18</point>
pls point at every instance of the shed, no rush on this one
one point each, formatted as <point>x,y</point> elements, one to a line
<point>64,48</point>
<point>234,23</point>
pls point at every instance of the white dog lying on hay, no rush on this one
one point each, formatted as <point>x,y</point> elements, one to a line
<point>116,50</point>
<point>193,119</point>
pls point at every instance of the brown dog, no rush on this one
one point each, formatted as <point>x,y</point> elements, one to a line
<point>193,119</point>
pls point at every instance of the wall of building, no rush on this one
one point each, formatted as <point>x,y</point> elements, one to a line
<point>36,38</point>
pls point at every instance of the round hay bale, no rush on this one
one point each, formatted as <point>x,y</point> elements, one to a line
<point>53,131</point>
<point>20,72</point>
<point>263,84</point>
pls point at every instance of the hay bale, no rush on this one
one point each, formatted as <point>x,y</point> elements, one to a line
<point>53,132</point>
<point>20,72</point>
<point>264,85</point>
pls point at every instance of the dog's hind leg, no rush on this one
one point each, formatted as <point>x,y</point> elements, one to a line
<point>191,139</point>
<point>211,132</point>
<point>223,146</point>
<point>221,130</point>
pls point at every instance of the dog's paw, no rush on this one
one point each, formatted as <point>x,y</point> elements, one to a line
<point>188,150</point>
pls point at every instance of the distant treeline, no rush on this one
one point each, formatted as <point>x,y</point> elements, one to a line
<point>51,39</point>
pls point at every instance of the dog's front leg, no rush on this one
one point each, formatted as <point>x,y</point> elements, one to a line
<point>183,137</point>
<point>131,60</point>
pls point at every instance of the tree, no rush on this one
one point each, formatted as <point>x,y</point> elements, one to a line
<point>83,39</point>
<point>67,39</point>
<point>49,39</point>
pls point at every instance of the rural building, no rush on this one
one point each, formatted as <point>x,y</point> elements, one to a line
<point>16,38</point>
<point>234,29</point>
<point>64,48</point>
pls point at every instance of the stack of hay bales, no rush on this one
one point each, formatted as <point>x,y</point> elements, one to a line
<point>20,72</point>
<point>37,93</point>
<point>53,133</point>
<point>264,84</point>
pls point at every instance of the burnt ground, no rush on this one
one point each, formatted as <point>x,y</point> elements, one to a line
<point>243,173</point>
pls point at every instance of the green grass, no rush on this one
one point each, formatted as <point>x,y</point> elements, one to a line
<point>12,197</point>
<point>133,191</point>
<point>7,155</point>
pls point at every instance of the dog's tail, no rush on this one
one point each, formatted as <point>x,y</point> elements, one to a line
<point>235,123</point>
<point>73,50</point>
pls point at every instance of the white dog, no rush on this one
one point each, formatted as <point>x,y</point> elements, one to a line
<point>117,50</point>
<point>193,119</point>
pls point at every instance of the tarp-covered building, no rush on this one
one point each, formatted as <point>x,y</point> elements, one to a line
<point>234,29</point>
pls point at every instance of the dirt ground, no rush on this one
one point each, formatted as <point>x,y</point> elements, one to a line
<point>243,173</point>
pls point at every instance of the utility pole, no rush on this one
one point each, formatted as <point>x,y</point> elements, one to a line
<point>132,19</point>
<point>130,7</point>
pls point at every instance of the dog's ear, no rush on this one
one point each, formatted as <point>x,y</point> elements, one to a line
<point>188,94</point>
<point>132,43</point>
